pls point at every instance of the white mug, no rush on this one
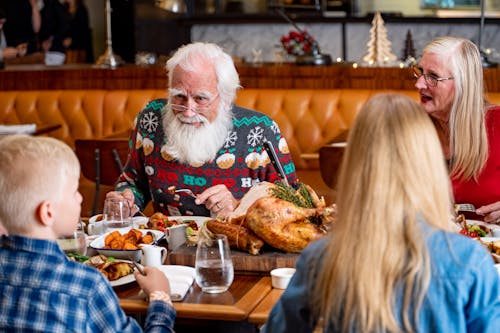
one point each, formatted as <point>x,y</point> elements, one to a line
<point>153,255</point>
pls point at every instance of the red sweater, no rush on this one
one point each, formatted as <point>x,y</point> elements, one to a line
<point>487,189</point>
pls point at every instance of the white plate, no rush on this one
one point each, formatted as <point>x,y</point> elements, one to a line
<point>180,277</point>
<point>476,222</point>
<point>176,235</point>
<point>98,245</point>
<point>200,220</point>
<point>484,240</point>
<point>490,239</point>
<point>125,279</point>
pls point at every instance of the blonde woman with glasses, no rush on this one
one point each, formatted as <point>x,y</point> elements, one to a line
<point>390,263</point>
<point>450,83</point>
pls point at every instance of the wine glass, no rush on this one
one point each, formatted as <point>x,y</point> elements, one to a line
<point>213,264</point>
<point>116,214</point>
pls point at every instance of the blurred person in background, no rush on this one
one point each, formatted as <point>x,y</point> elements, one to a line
<point>451,87</point>
<point>22,25</point>
<point>55,27</point>
<point>80,34</point>
<point>6,52</point>
<point>392,261</point>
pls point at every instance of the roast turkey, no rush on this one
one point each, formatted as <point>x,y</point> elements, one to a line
<point>284,225</point>
<point>284,217</point>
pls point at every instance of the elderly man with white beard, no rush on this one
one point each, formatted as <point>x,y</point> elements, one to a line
<point>199,140</point>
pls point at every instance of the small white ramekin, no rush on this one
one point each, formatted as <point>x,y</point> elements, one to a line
<point>281,276</point>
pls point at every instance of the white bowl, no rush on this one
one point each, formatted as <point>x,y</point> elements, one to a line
<point>93,219</point>
<point>54,58</point>
<point>136,255</point>
<point>139,221</point>
<point>280,277</point>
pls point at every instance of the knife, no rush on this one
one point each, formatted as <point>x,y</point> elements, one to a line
<point>274,160</point>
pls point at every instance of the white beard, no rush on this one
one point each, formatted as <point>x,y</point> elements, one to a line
<point>196,145</point>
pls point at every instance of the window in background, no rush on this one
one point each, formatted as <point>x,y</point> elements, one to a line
<point>449,4</point>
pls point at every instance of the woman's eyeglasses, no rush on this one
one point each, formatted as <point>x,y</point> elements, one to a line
<point>431,79</point>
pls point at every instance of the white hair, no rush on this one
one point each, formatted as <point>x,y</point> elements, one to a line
<point>189,56</point>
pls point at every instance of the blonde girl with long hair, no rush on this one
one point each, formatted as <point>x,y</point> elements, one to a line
<point>391,262</point>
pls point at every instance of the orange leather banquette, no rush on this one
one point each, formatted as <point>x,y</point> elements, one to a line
<point>308,119</point>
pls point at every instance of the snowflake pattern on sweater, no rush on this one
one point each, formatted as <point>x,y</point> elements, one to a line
<point>240,163</point>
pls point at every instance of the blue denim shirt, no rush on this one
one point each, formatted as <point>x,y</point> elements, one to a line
<point>463,295</point>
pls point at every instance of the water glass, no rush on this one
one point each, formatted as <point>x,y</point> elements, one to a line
<point>116,214</point>
<point>213,265</point>
<point>74,243</point>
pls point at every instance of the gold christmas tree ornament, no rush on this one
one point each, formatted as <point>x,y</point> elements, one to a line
<point>379,47</point>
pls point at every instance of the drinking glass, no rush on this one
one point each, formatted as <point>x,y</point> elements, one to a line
<point>213,264</point>
<point>75,243</point>
<point>116,214</point>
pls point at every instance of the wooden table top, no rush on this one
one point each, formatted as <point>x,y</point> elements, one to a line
<point>260,314</point>
<point>245,293</point>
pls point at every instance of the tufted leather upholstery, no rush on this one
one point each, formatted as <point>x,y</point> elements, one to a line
<point>84,114</point>
<point>308,118</point>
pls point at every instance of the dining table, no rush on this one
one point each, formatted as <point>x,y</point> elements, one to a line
<point>200,309</point>
<point>236,304</point>
<point>261,312</point>
<point>248,300</point>
<point>223,312</point>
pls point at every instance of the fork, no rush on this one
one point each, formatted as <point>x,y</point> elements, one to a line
<point>136,265</point>
<point>185,190</point>
<point>465,207</point>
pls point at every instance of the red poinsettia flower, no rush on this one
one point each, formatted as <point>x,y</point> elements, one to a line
<point>297,43</point>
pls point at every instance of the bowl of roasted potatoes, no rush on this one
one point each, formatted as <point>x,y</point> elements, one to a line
<point>125,243</point>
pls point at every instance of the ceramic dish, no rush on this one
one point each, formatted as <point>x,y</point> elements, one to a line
<point>280,277</point>
<point>136,220</point>
<point>176,235</point>
<point>136,255</point>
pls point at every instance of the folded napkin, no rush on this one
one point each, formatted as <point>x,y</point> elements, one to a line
<point>18,129</point>
<point>181,278</point>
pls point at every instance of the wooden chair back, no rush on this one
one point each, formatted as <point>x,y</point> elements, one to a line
<point>330,159</point>
<point>102,161</point>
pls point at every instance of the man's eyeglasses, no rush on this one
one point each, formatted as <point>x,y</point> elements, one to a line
<point>431,79</point>
<point>203,104</point>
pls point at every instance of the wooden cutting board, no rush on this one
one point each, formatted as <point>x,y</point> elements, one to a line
<point>242,262</point>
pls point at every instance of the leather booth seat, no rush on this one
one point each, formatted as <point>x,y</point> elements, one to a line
<point>308,118</point>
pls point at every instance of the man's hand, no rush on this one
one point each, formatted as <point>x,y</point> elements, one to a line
<point>218,200</point>
<point>127,194</point>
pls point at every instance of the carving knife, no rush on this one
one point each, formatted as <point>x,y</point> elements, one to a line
<point>275,161</point>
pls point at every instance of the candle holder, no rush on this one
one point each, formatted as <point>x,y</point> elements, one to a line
<point>109,59</point>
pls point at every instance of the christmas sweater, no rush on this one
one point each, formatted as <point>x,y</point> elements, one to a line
<point>240,163</point>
